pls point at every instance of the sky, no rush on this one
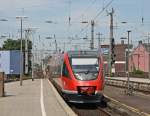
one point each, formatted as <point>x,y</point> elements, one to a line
<point>69,35</point>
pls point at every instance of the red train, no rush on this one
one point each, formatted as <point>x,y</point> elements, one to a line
<point>80,75</point>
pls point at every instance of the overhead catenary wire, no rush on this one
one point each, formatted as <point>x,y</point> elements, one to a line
<point>69,19</point>
<point>106,6</point>
<point>82,14</point>
<point>85,11</point>
<point>142,10</point>
<point>98,14</point>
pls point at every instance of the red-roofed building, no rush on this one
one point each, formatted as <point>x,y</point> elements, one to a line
<point>139,58</point>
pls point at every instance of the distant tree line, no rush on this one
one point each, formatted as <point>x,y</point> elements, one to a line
<point>11,44</point>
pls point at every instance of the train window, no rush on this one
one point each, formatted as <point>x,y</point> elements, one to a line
<point>65,71</point>
<point>85,68</point>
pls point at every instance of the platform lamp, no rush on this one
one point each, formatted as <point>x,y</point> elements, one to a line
<point>127,61</point>
<point>3,20</point>
<point>21,58</point>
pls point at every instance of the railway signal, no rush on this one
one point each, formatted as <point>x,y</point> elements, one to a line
<point>113,55</point>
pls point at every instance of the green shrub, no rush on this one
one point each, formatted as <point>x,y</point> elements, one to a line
<point>140,72</point>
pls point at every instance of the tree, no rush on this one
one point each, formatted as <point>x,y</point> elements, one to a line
<point>10,44</point>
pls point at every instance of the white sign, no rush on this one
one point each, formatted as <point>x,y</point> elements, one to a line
<point>84,61</point>
<point>113,70</point>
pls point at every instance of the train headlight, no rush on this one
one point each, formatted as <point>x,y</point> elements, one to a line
<point>79,77</point>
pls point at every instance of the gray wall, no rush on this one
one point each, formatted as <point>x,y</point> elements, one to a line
<point>5,61</point>
<point>10,62</point>
<point>15,62</point>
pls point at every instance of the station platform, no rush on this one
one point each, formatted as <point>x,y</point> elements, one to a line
<point>141,80</point>
<point>138,101</point>
<point>34,98</point>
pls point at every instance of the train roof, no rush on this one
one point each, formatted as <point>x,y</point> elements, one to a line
<point>83,53</point>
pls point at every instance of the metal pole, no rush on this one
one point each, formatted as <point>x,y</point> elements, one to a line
<point>32,68</point>
<point>99,40</point>
<point>21,55</point>
<point>149,62</point>
<point>128,75</point>
<point>55,45</point>
<point>92,34</point>
<point>64,46</point>
<point>40,54</point>
<point>26,50</point>
<point>2,91</point>
<point>33,60</point>
<point>111,37</point>
<point>149,55</point>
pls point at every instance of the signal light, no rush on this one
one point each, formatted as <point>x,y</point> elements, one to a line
<point>113,55</point>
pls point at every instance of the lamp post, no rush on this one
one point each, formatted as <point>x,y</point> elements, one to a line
<point>52,22</point>
<point>129,91</point>
<point>128,75</point>
<point>92,33</point>
<point>127,64</point>
<point>21,56</point>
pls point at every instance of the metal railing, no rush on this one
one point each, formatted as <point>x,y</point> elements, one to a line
<point>137,86</point>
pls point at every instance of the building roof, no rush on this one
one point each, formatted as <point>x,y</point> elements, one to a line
<point>147,47</point>
<point>120,51</point>
<point>117,45</point>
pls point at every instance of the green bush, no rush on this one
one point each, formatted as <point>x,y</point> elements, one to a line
<point>140,72</point>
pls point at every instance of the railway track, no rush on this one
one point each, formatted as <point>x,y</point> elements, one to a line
<point>112,108</point>
<point>89,110</point>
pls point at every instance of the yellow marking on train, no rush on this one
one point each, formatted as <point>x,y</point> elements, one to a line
<point>129,107</point>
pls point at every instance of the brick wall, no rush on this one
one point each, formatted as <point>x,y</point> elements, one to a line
<point>120,63</point>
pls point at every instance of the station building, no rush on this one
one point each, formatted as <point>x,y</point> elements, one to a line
<point>139,58</point>
<point>120,60</point>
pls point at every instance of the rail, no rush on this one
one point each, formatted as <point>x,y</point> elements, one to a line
<point>89,110</point>
<point>82,109</point>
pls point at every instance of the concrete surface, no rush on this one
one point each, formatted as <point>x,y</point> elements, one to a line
<point>26,100</point>
<point>139,101</point>
<point>131,79</point>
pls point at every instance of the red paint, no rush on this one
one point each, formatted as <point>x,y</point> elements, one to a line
<point>70,83</point>
<point>139,59</point>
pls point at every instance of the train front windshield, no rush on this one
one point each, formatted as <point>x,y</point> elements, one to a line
<point>85,68</point>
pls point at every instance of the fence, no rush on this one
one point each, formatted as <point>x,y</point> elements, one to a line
<point>139,86</point>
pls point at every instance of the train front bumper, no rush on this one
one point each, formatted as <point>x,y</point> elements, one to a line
<point>79,98</point>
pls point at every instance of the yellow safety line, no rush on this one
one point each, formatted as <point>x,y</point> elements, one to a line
<point>142,94</point>
<point>129,107</point>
